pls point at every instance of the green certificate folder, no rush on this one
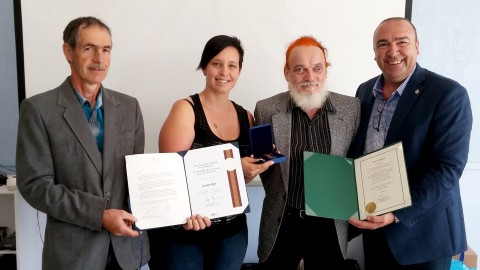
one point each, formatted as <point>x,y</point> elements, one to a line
<point>330,189</point>
<point>341,188</point>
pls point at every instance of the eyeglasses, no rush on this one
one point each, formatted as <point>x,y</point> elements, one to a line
<point>376,119</point>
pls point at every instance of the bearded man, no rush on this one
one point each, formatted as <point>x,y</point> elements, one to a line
<point>306,118</point>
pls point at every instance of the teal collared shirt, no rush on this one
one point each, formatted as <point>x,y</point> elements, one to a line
<point>94,116</point>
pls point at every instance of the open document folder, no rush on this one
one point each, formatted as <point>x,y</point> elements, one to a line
<point>341,188</point>
<point>167,188</point>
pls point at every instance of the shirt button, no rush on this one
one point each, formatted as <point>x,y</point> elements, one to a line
<point>107,194</point>
<point>92,121</point>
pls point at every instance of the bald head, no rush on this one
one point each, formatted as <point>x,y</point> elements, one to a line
<point>392,19</point>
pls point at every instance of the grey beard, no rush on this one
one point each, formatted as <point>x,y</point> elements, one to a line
<point>308,101</point>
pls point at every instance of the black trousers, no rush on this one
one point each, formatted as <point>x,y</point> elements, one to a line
<point>311,238</point>
<point>379,257</point>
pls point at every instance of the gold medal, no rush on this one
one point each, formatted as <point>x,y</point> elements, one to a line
<point>370,207</point>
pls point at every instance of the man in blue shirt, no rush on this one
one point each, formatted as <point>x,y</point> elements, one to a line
<point>71,149</point>
<point>432,116</point>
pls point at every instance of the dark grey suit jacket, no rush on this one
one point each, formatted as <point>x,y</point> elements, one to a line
<point>61,172</point>
<point>343,121</point>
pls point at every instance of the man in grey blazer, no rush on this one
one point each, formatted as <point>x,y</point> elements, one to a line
<point>71,149</point>
<point>306,118</point>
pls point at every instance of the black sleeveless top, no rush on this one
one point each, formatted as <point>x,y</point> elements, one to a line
<point>221,228</point>
<point>204,136</point>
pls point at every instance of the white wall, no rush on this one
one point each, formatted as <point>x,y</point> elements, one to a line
<point>449,35</point>
<point>157,45</point>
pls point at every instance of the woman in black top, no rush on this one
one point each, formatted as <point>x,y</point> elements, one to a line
<point>201,120</point>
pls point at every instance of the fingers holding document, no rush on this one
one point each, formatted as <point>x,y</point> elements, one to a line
<point>373,222</point>
<point>197,223</point>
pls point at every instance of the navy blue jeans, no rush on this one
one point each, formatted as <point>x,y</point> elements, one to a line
<point>225,254</point>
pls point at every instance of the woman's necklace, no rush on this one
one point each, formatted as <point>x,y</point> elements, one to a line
<point>215,125</point>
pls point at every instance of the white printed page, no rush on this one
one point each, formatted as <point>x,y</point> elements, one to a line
<point>158,189</point>
<point>382,181</point>
<point>215,181</point>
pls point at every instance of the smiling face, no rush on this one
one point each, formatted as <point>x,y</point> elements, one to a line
<point>306,76</point>
<point>396,48</point>
<point>90,59</point>
<point>307,69</point>
<point>223,70</point>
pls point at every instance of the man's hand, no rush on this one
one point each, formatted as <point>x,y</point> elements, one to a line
<point>119,222</point>
<point>197,223</point>
<point>373,222</point>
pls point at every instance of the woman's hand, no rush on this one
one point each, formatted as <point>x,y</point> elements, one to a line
<point>197,223</point>
<point>251,169</point>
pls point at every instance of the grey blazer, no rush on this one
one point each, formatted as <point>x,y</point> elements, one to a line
<point>343,121</point>
<point>61,172</point>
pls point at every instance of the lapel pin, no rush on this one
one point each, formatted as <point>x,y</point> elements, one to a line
<point>417,92</point>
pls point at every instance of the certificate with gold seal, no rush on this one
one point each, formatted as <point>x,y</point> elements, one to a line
<point>167,188</point>
<point>340,188</point>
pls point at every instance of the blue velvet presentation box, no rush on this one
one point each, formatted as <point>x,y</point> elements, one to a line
<point>261,144</point>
